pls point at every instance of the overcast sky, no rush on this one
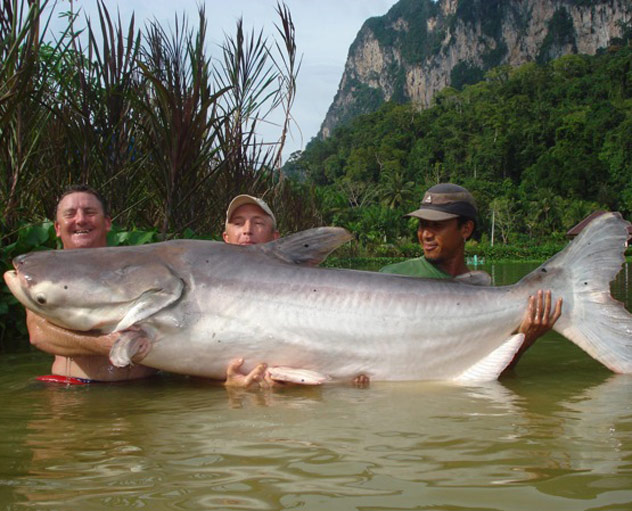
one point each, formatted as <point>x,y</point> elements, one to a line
<point>324,31</point>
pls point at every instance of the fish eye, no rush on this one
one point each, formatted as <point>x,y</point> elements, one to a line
<point>41,299</point>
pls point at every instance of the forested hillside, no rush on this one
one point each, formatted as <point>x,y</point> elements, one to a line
<point>540,146</point>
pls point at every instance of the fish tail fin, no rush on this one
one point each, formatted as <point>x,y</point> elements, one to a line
<point>581,274</point>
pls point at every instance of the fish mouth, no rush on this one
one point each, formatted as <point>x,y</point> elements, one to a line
<point>21,286</point>
<point>24,279</point>
<point>13,281</point>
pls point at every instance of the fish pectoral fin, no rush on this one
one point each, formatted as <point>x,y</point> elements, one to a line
<point>300,376</point>
<point>150,302</point>
<point>127,346</point>
<point>490,367</point>
<point>310,247</point>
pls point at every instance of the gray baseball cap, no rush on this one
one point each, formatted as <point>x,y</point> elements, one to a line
<point>445,201</point>
<point>240,200</point>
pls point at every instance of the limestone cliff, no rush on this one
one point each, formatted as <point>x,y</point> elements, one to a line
<point>421,46</point>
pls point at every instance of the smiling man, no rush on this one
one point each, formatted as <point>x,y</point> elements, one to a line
<point>81,222</point>
<point>447,218</point>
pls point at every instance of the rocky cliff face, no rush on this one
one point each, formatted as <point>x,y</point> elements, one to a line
<point>420,46</point>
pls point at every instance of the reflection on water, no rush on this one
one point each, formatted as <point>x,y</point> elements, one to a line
<point>555,435</point>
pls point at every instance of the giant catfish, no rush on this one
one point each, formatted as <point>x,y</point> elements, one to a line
<point>204,303</point>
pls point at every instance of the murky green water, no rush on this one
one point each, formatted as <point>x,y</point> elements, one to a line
<point>556,435</point>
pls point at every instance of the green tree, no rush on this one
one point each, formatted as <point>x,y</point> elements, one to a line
<point>503,217</point>
<point>395,189</point>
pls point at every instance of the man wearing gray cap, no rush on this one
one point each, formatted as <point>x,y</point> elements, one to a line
<point>447,218</point>
<point>249,220</point>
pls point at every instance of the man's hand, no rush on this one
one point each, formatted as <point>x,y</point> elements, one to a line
<point>361,381</point>
<point>538,318</point>
<point>140,338</point>
<point>537,321</point>
<point>143,350</point>
<point>278,376</point>
<point>258,376</point>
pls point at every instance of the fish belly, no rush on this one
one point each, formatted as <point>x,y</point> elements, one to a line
<point>408,331</point>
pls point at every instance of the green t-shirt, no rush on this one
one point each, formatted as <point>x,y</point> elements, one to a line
<point>419,267</point>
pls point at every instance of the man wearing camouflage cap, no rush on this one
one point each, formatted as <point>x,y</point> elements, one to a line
<point>447,218</point>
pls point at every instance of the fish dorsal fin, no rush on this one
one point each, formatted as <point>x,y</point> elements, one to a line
<point>490,367</point>
<point>310,247</point>
<point>475,278</point>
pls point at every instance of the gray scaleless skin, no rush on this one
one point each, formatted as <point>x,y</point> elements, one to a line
<point>204,304</point>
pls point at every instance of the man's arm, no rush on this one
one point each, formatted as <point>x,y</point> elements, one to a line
<point>537,321</point>
<point>66,343</point>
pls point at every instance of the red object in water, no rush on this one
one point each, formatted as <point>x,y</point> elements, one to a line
<point>64,380</point>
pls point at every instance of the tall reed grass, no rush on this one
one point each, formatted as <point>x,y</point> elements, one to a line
<point>144,114</point>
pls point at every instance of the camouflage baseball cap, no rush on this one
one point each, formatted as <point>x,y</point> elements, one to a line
<point>445,201</point>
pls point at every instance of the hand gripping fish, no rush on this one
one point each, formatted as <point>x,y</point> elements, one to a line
<point>204,303</point>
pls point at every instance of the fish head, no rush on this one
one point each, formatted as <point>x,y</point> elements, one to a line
<point>103,289</point>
